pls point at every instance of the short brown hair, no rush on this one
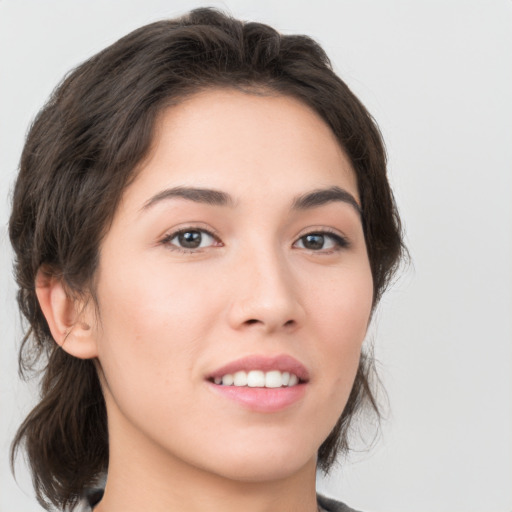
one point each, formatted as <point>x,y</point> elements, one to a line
<point>81,153</point>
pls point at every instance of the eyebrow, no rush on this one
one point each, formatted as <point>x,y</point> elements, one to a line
<point>323,196</point>
<point>198,195</point>
<point>213,197</point>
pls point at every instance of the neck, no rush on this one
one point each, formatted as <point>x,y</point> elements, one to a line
<point>145,477</point>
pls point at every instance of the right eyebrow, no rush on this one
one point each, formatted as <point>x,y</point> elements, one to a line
<point>323,196</point>
<point>196,194</point>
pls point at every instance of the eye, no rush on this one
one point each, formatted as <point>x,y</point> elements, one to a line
<point>190,239</point>
<point>321,241</point>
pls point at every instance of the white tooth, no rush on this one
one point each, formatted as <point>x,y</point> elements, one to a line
<point>227,380</point>
<point>285,378</point>
<point>273,379</point>
<point>256,379</point>
<point>240,379</point>
<point>293,380</point>
<point>217,380</point>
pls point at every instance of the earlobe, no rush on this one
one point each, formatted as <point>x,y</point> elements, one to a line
<point>68,321</point>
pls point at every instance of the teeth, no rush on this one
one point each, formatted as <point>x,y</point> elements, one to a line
<point>227,380</point>
<point>258,379</point>
<point>273,379</point>
<point>240,379</point>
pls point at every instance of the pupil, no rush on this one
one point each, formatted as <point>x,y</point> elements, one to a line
<point>314,241</point>
<point>190,239</point>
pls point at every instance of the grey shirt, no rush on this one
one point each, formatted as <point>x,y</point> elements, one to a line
<point>330,505</point>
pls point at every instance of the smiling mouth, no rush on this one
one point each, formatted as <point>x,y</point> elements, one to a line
<point>261,383</point>
<point>258,379</point>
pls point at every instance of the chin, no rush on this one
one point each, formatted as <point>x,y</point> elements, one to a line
<point>266,471</point>
<point>268,463</point>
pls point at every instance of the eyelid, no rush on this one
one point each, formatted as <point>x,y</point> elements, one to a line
<point>173,232</point>
<point>341,240</point>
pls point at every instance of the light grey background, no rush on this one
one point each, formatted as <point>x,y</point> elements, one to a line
<point>437,75</point>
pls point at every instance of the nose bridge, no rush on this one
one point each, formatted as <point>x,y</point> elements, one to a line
<point>266,291</point>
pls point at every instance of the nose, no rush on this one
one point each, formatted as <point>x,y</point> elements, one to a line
<point>265,294</point>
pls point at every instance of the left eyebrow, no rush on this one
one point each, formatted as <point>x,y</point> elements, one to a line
<point>323,196</point>
<point>195,194</point>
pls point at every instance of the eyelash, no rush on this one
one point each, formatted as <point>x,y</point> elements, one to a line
<point>340,242</point>
<point>171,236</point>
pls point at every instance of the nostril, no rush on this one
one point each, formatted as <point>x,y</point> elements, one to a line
<point>253,321</point>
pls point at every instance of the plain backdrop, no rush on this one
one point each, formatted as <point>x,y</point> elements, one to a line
<point>437,76</point>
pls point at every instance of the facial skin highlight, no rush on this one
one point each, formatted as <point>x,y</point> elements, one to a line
<point>239,237</point>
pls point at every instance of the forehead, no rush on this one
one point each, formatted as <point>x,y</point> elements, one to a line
<point>244,142</point>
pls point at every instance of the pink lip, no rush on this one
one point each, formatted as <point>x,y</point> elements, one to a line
<point>265,400</point>
<point>261,399</point>
<point>282,362</point>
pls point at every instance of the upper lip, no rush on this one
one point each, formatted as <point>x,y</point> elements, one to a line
<point>282,362</point>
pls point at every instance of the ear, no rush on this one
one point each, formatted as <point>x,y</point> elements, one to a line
<point>71,322</point>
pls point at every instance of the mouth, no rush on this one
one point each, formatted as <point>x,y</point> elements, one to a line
<point>258,379</point>
<point>261,371</point>
<point>260,383</point>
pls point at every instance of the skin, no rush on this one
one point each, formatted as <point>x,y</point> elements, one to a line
<point>165,318</point>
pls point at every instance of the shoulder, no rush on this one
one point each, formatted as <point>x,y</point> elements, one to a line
<point>330,505</point>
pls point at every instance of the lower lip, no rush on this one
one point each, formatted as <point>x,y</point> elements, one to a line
<point>262,399</point>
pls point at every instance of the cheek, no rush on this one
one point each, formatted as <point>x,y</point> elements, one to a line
<point>152,325</point>
<point>342,304</point>
<point>342,312</point>
<point>163,300</point>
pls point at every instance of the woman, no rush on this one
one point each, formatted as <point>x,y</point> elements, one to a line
<point>203,227</point>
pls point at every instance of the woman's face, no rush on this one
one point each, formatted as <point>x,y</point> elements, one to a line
<point>237,254</point>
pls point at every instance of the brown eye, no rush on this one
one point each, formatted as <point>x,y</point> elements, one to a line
<point>313,242</point>
<point>321,241</point>
<point>190,239</point>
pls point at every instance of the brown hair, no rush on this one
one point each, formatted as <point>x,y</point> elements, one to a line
<point>81,153</point>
